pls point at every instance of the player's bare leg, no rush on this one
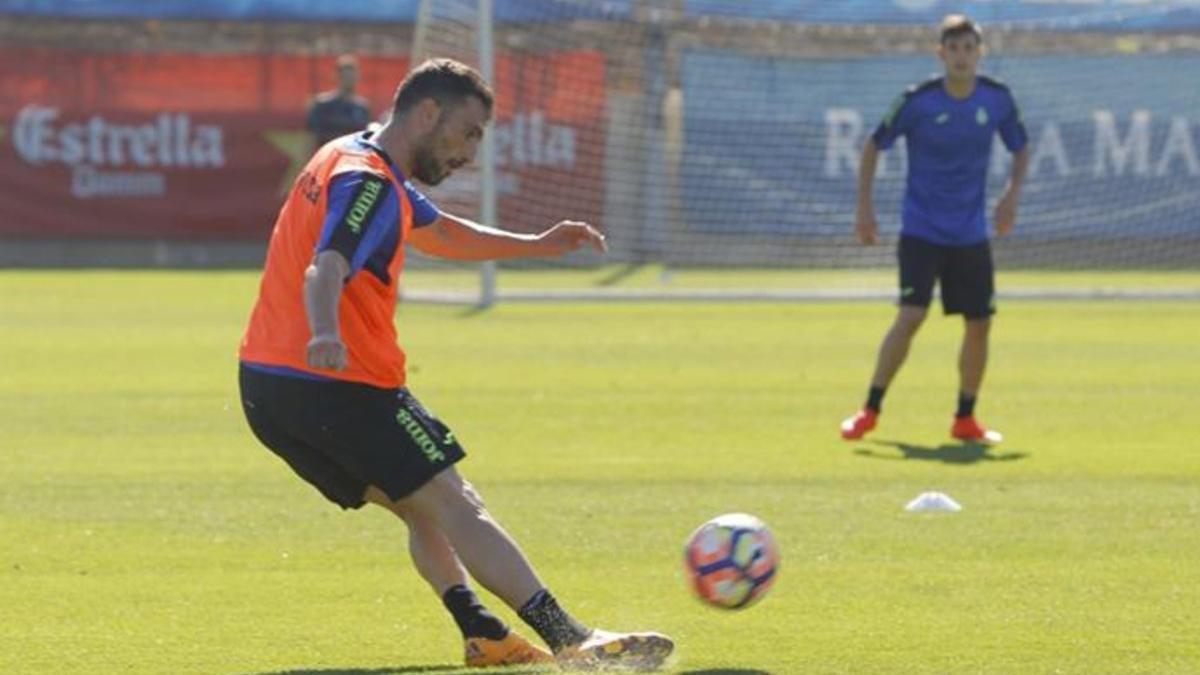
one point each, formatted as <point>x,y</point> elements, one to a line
<point>972,362</point>
<point>487,640</point>
<point>493,558</point>
<point>972,358</point>
<point>431,553</point>
<point>485,548</point>
<point>892,353</point>
<point>896,343</point>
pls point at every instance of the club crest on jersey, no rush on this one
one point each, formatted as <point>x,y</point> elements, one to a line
<point>309,186</point>
<point>981,116</point>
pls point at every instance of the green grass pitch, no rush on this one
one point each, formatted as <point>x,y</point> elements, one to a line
<point>144,530</point>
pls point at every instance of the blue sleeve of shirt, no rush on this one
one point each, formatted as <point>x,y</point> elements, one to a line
<point>895,123</point>
<point>1012,127</point>
<point>363,210</point>
<point>424,210</point>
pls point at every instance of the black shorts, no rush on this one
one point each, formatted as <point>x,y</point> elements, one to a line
<point>343,436</point>
<point>966,275</point>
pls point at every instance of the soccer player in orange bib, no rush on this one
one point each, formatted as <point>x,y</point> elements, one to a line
<point>323,378</point>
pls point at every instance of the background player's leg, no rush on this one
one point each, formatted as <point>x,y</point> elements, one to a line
<point>895,345</point>
<point>920,265</point>
<point>969,287</point>
<point>892,353</point>
<point>972,359</point>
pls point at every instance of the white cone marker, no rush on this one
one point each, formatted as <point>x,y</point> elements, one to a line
<point>932,502</point>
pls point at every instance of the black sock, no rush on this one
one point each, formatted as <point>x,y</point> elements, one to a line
<point>875,398</point>
<point>966,405</point>
<point>557,628</point>
<point>473,619</point>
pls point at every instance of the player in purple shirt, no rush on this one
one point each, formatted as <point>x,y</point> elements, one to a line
<point>948,124</point>
<point>335,113</point>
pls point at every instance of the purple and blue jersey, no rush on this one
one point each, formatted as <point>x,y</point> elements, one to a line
<point>949,143</point>
<point>367,239</point>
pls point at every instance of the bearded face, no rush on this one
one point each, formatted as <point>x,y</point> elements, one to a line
<point>451,143</point>
<point>426,167</point>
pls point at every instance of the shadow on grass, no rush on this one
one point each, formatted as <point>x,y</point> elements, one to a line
<point>726,671</point>
<point>445,669</point>
<point>619,274</point>
<point>473,310</point>
<point>949,453</point>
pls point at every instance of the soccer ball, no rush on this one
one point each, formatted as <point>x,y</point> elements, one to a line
<point>731,560</point>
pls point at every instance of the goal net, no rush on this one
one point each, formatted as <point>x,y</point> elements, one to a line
<point>717,143</point>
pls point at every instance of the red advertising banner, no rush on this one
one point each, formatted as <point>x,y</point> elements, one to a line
<point>188,146</point>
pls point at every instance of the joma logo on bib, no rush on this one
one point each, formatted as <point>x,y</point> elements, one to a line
<point>421,437</point>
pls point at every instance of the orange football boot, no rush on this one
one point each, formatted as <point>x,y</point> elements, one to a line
<point>510,651</point>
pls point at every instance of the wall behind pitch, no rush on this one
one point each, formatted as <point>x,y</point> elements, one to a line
<point>772,144</point>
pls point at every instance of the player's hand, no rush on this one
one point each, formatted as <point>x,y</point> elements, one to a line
<point>1006,214</point>
<point>569,235</point>
<point>326,352</point>
<point>866,227</point>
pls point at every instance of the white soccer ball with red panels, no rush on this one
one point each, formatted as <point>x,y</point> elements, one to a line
<point>731,560</point>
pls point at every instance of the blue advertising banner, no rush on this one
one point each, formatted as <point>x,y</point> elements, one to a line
<point>1115,142</point>
<point>312,10</point>
<point>1059,14</point>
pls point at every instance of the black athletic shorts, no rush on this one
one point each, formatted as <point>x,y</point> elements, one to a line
<point>965,272</point>
<point>343,436</point>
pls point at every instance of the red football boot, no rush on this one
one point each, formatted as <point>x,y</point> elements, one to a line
<point>857,425</point>
<point>970,430</point>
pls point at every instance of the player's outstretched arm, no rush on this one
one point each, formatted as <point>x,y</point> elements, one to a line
<point>457,238</point>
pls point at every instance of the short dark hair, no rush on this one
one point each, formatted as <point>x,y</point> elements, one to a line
<point>446,81</point>
<point>959,24</point>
